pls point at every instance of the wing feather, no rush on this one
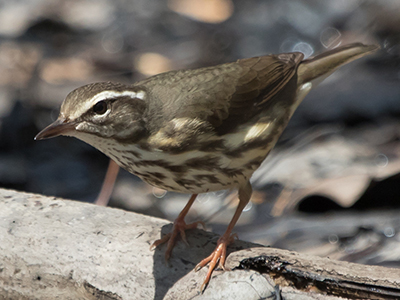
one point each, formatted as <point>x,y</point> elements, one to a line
<point>217,94</point>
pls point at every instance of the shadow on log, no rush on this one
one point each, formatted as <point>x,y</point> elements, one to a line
<point>53,248</point>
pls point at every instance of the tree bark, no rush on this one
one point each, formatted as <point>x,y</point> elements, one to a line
<point>61,249</point>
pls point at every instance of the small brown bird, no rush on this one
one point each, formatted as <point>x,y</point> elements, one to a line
<point>196,131</point>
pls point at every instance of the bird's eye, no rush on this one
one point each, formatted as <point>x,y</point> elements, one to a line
<point>100,107</point>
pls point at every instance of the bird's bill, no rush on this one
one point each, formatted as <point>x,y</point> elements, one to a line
<point>57,128</point>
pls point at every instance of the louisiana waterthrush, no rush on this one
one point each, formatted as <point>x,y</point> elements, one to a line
<point>195,131</point>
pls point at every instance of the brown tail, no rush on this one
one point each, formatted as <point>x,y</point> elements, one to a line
<point>329,61</point>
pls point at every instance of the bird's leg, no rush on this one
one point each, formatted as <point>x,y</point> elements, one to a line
<point>108,184</point>
<point>179,228</point>
<point>219,254</point>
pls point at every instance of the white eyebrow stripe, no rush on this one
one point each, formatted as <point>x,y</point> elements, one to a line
<point>110,94</point>
<point>140,95</point>
<point>106,95</point>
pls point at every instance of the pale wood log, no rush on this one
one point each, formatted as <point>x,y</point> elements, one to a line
<point>61,249</point>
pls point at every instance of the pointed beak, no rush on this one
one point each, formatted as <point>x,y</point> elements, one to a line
<point>58,127</point>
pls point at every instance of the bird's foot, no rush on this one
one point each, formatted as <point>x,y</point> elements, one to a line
<point>179,229</point>
<point>217,256</point>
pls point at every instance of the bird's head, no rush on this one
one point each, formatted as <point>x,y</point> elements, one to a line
<point>100,111</point>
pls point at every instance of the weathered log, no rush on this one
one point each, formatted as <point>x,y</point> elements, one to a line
<point>60,249</point>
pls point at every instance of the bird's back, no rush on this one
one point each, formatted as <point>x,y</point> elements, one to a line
<point>222,96</point>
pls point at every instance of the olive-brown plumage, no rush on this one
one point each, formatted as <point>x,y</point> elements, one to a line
<point>194,131</point>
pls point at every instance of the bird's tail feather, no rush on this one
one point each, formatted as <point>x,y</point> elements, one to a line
<point>329,61</point>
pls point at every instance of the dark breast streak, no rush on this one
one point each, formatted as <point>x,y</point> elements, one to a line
<point>209,170</point>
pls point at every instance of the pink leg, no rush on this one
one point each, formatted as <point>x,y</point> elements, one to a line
<point>108,184</point>
<point>219,254</point>
<point>179,228</point>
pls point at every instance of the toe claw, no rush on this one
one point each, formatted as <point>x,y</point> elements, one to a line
<point>203,287</point>
<point>167,256</point>
<point>198,267</point>
<point>158,242</point>
<point>202,224</point>
<point>183,236</point>
<point>222,267</point>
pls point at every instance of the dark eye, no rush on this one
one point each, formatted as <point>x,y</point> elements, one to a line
<point>100,107</point>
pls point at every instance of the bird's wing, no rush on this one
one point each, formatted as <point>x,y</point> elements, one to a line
<point>197,101</point>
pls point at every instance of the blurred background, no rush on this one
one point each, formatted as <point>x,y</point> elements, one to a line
<point>331,187</point>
